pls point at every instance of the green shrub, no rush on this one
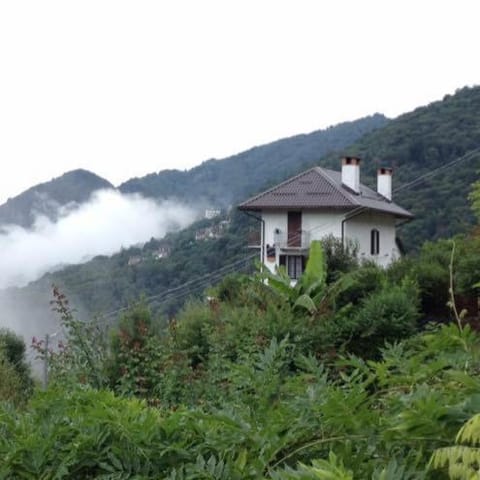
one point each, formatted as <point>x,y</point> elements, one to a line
<point>86,434</point>
<point>191,330</point>
<point>135,353</point>
<point>14,364</point>
<point>10,382</point>
<point>386,315</point>
<point>342,257</point>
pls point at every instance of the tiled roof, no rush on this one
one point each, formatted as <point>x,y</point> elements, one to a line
<point>320,188</point>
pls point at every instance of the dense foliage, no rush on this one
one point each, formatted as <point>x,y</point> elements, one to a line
<point>341,376</point>
<point>328,380</point>
<point>415,144</point>
<point>274,413</point>
<point>16,383</point>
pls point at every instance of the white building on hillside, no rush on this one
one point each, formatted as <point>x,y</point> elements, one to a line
<point>321,202</point>
<point>212,213</point>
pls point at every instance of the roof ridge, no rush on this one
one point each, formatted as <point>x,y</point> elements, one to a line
<point>347,195</point>
<point>285,182</point>
<point>326,191</point>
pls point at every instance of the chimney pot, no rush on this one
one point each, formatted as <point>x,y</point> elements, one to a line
<point>384,182</point>
<point>351,173</point>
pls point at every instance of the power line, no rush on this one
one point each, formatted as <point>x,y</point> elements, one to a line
<point>434,172</point>
<point>404,186</point>
<point>192,284</point>
<point>206,279</point>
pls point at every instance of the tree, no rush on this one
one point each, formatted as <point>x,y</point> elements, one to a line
<point>15,369</point>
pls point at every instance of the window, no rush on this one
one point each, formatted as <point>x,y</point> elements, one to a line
<point>294,264</point>
<point>374,242</point>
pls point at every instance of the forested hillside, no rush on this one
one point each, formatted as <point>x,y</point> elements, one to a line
<point>414,144</point>
<point>107,283</point>
<point>356,372</point>
<point>47,198</point>
<point>420,143</point>
<point>216,183</point>
<point>228,181</point>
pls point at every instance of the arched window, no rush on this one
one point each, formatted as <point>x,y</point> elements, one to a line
<point>374,242</point>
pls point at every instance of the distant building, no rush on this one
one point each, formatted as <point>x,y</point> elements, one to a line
<point>215,231</point>
<point>161,252</point>
<point>134,260</point>
<point>212,213</point>
<point>321,202</point>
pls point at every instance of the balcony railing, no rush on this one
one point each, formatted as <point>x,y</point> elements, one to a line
<point>292,240</point>
<point>300,240</point>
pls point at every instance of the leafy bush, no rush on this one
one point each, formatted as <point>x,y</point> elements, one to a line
<point>81,356</point>
<point>10,382</point>
<point>386,315</point>
<point>341,256</point>
<point>130,352</point>
<point>381,419</point>
<point>191,330</point>
<point>86,434</point>
<point>15,380</point>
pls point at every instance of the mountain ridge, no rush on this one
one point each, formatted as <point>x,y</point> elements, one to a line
<point>48,198</point>
<point>211,181</point>
<point>421,141</point>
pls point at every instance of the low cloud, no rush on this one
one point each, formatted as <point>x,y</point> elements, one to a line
<point>109,221</point>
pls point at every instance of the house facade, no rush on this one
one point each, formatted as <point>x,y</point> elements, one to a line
<point>321,202</point>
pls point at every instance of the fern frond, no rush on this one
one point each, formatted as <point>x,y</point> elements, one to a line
<point>462,461</point>
<point>469,434</point>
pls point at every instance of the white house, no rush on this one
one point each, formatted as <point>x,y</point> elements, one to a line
<point>321,202</point>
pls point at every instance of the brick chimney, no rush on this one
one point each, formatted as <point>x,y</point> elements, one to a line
<point>351,173</point>
<point>384,182</point>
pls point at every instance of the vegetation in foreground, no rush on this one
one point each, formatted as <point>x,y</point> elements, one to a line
<point>340,377</point>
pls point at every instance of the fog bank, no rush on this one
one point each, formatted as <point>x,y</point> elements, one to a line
<point>109,221</point>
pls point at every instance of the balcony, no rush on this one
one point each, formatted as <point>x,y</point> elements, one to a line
<point>285,241</point>
<point>292,240</point>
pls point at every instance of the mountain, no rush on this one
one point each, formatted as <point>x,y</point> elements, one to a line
<point>417,144</point>
<point>67,191</point>
<point>107,283</point>
<point>427,141</point>
<point>225,182</point>
<point>214,182</point>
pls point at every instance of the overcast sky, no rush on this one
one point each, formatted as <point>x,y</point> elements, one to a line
<point>128,88</point>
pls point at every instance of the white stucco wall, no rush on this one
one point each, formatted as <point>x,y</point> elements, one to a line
<point>316,224</point>
<point>359,230</point>
<point>274,220</point>
<point>321,223</point>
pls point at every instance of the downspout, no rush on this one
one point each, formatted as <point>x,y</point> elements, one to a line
<point>398,241</point>
<point>347,217</point>
<point>262,241</point>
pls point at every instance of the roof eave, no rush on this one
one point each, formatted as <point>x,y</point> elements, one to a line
<point>259,208</point>
<point>246,207</point>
